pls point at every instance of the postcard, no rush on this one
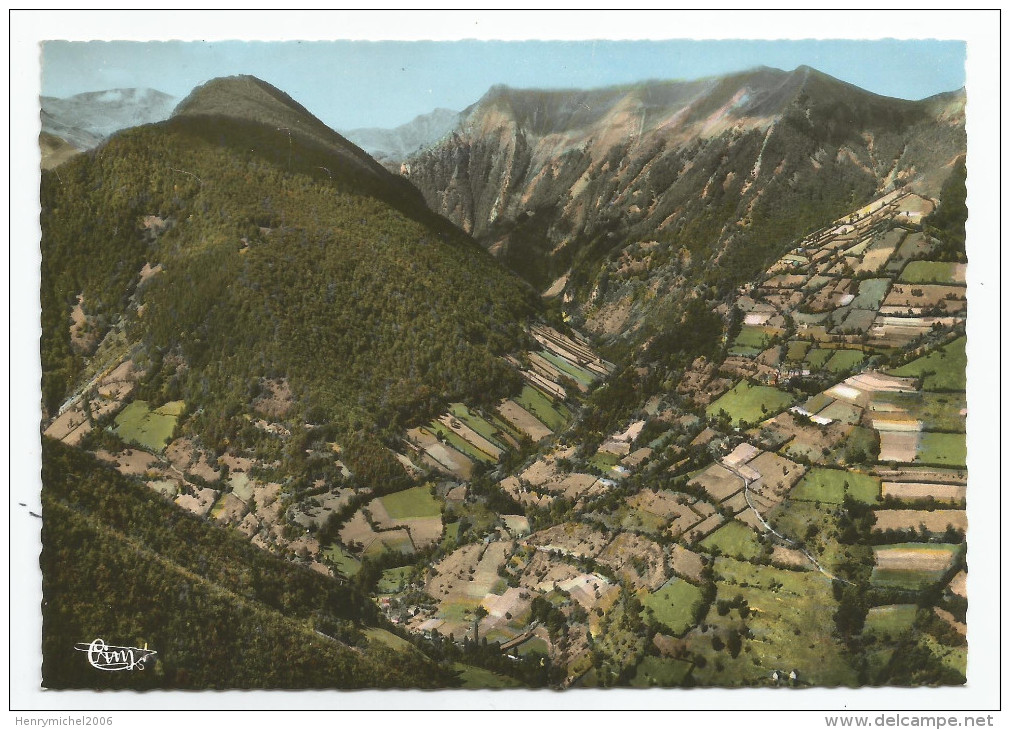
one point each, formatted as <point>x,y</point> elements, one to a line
<point>460,359</point>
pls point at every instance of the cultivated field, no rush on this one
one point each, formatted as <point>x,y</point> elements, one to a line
<point>555,416</point>
<point>933,272</point>
<point>913,566</point>
<point>833,485</point>
<point>570,538</point>
<point>935,521</point>
<point>916,491</point>
<point>521,419</point>
<point>718,481</point>
<point>638,561</point>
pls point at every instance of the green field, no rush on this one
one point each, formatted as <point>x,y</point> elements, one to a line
<point>394,580</point>
<point>797,350</point>
<point>536,645</point>
<point>450,534</point>
<point>674,604</point>
<point>150,429</point>
<point>817,357</point>
<point>871,294</point>
<point>579,375</point>
<point>734,539</point>
<point>942,369</point>
<point>816,282</point>
<point>894,619</point>
<point>412,503</point>
<point>459,443</point>
<point>817,403</point>
<point>844,360</point>
<point>909,580</point>
<point>755,337</point>
<point>862,439</point>
<point>928,272</point>
<point>393,541</point>
<point>639,520</point>
<point>656,671</point>
<point>346,563</point>
<point>946,449</point>
<point>478,678</point>
<point>831,485</point>
<point>604,461</point>
<point>748,403</point>
<point>553,416</point>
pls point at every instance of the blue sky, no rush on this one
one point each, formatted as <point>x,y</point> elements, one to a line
<point>351,84</point>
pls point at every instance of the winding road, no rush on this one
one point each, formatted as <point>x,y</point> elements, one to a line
<point>792,543</point>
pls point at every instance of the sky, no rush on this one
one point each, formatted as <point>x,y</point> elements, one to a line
<point>351,84</point>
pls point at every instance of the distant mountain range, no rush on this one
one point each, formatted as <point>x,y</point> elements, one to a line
<point>84,120</point>
<point>393,146</point>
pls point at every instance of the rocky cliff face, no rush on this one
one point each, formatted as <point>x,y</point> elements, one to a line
<point>628,193</point>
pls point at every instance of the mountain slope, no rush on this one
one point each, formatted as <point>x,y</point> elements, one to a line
<point>84,120</point>
<point>275,255</point>
<point>635,194</point>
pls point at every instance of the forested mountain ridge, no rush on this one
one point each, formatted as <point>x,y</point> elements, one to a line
<point>240,251</point>
<point>626,197</point>
<point>249,99</point>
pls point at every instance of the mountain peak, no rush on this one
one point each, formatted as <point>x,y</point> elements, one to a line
<point>251,99</point>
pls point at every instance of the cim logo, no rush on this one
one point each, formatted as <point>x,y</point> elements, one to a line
<point>115,658</point>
